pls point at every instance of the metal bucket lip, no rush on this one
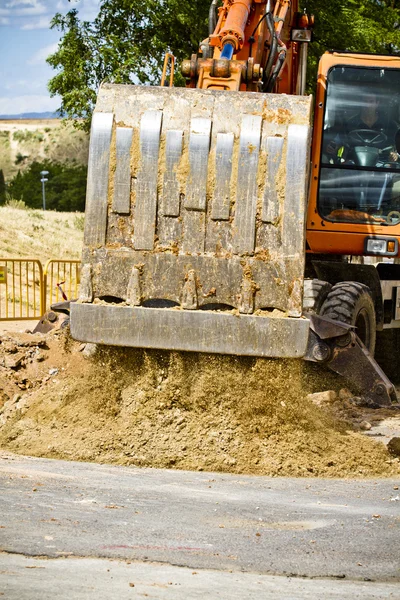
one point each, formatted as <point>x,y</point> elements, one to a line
<point>190,330</point>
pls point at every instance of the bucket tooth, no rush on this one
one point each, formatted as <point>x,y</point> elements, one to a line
<point>189,294</point>
<point>133,292</point>
<point>246,297</point>
<point>295,299</point>
<point>86,284</point>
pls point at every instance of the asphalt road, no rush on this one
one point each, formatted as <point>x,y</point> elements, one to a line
<point>78,531</point>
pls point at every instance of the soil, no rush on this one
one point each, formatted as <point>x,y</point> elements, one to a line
<point>62,399</point>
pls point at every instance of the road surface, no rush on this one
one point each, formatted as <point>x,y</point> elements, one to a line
<point>79,531</point>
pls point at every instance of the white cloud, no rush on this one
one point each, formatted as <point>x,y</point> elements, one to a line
<point>41,23</point>
<point>40,56</point>
<point>27,9</point>
<point>23,83</point>
<point>13,3</point>
<point>23,104</point>
<point>20,13</point>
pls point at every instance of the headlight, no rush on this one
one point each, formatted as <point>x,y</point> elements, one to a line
<point>381,246</point>
<point>301,35</point>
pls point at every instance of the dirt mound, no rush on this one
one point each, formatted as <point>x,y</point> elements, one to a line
<point>170,409</point>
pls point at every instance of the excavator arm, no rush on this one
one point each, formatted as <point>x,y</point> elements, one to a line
<point>249,48</point>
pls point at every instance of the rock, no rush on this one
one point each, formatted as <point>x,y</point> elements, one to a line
<point>13,361</point>
<point>345,394</point>
<point>321,398</point>
<point>53,371</point>
<point>365,426</point>
<point>11,348</point>
<point>394,446</point>
<point>90,350</point>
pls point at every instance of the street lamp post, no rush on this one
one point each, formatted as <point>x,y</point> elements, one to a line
<point>43,180</point>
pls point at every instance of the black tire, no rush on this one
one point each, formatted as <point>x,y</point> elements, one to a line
<point>314,294</point>
<point>351,302</point>
<point>387,353</point>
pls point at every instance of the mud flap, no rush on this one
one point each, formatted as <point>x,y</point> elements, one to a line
<point>337,346</point>
<point>55,318</point>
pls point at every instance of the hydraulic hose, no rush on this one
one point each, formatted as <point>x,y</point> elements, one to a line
<point>212,17</point>
<point>277,68</point>
<point>272,51</point>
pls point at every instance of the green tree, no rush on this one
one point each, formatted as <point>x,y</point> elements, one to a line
<point>371,26</point>
<point>65,188</point>
<point>126,42</point>
<point>2,188</point>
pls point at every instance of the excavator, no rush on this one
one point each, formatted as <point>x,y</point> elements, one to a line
<point>234,216</point>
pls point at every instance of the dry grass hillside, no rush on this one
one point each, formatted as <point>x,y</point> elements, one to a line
<point>24,141</point>
<point>40,234</point>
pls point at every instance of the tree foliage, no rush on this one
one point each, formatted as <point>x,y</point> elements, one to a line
<point>370,26</point>
<point>126,42</point>
<point>65,189</point>
<point>2,188</point>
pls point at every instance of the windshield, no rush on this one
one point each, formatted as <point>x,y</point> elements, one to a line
<point>360,166</point>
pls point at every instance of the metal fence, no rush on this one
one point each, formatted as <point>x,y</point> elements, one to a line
<point>61,280</point>
<point>27,289</point>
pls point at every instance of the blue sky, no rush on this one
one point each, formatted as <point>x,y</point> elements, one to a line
<point>25,42</point>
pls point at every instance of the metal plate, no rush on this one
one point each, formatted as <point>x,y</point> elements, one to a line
<point>122,180</point>
<point>145,187</point>
<point>199,331</point>
<point>199,146</point>
<point>97,179</point>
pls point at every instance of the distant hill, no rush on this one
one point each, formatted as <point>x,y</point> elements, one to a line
<point>24,140</point>
<point>43,115</point>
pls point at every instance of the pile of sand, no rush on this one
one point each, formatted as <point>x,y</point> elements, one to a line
<point>180,410</point>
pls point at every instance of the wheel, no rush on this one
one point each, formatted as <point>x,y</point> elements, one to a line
<point>351,302</point>
<point>367,136</point>
<point>387,353</point>
<point>314,294</point>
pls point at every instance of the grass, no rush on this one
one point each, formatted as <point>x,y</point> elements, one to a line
<point>36,234</point>
<point>28,233</point>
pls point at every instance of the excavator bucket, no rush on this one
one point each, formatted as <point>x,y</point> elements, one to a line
<point>194,234</point>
